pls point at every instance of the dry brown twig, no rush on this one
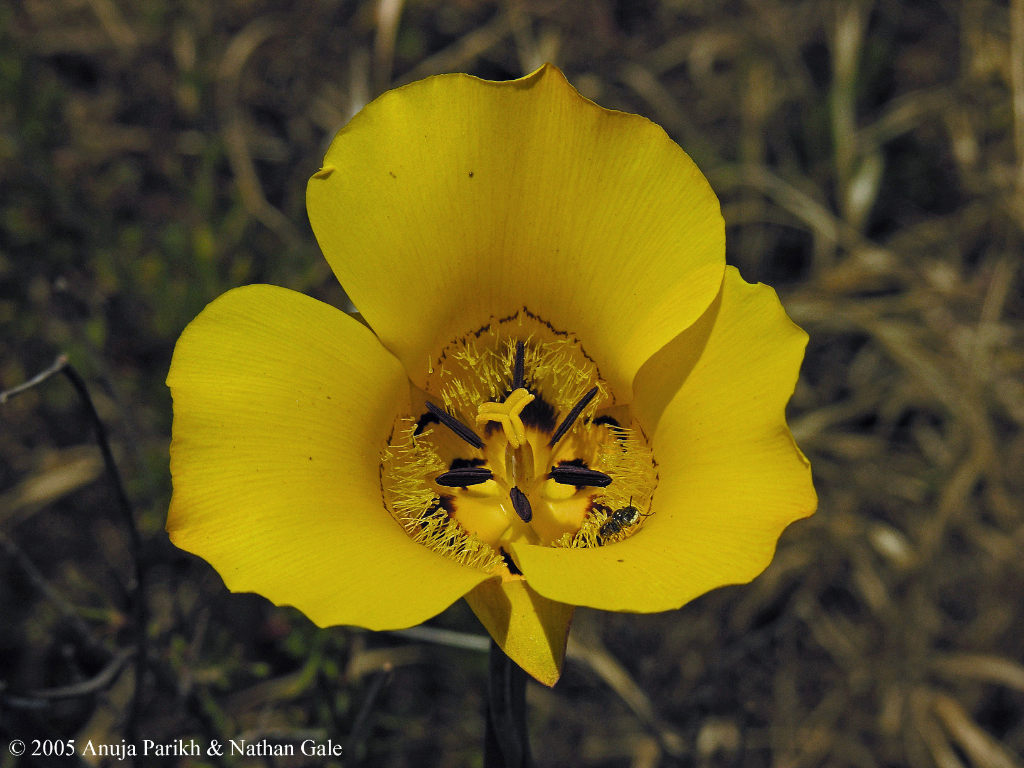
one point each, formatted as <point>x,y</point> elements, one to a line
<point>585,646</point>
<point>136,590</point>
<point>39,378</point>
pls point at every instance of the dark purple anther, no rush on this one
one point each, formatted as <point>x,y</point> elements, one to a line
<point>463,477</point>
<point>519,373</point>
<point>573,415</point>
<point>456,426</point>
<point>521,504</point>
<point>570,474</point>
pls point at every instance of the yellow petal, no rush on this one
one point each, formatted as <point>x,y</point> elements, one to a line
<point>281,408</point>
<point>730,476</point>
<point>530,629</point>
<point>659,379</point>
<point>476,199</point>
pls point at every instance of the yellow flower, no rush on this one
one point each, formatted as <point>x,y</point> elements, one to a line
<point>567,398</point>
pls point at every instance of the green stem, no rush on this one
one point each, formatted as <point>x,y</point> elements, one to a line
<point>506,740</point>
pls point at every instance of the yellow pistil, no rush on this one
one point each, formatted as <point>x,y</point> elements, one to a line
<point>507,414</point>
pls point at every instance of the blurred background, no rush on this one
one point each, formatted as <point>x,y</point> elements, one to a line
<point>870,162</point>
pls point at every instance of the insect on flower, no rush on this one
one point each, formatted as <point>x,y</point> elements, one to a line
<point>618,520</point>
<point>504,433</point>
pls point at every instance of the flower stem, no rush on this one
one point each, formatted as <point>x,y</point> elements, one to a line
<point>137,590</point>
<point>506,740</point>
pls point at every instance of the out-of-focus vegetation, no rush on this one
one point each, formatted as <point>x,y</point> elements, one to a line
<point>870,162</point>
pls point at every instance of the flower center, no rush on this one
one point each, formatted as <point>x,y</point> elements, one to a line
<point>522,447</point>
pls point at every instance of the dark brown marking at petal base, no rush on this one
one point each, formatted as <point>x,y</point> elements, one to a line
<point>425,421</point>
<point>521,504</point>
<point>442,505</point>
<point>510,563</point>
<point>459,463</point>
<point>538,414</point>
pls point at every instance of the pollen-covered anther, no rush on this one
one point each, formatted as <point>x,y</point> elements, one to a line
<point>507,414</point>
